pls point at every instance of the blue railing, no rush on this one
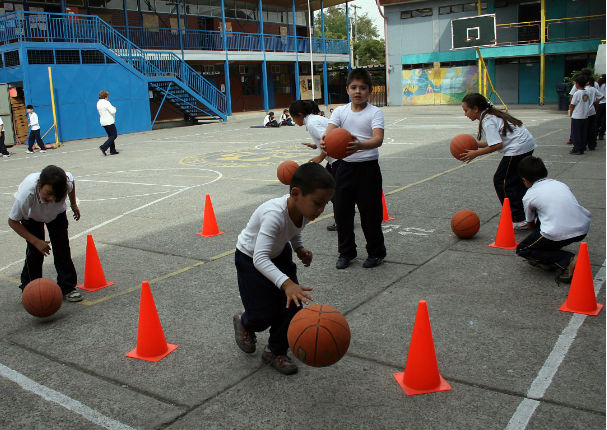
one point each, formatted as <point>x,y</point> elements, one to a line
<point>55,27</point>
<point>167,38</point>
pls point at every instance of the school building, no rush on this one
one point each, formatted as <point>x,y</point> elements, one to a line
<point>538,44</point>
<point>161,60</point>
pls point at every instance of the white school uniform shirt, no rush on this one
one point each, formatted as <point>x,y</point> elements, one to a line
<point>2,125</point>
<point>561,216</point>
<point>361,126</point>
<point>33,119</point>
<point>107,112</point>
<point>266,234</point>
<point>581,103</point>
<point>516,142</point>
<point>29,205</point>
<point>317,126</point>
<point>593,94</point>
<point>283,117</point>
<point>602,93</point>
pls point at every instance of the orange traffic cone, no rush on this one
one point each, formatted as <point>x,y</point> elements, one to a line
<point>209,223</point>
<point>386,217</point>
<point>505,231</point>
<point>582,299</point>
<point>151,344</point>
<point>94,279</point>
<point>421,371</point>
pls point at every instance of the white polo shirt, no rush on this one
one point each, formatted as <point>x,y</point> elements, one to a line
<point>516,142</point>
<point>560,215</point>
<point>593,94</point>
<point>29,205</point>
<point>581,103</point>
<point>317,126</point>
<point>602,93</point>
<point>33,119</point>
<point>266,234</point>
<point>360,125</point>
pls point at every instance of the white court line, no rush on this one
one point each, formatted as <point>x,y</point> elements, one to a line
<point>62,400</point>
<point>130,183</point>
<point>525,410</point>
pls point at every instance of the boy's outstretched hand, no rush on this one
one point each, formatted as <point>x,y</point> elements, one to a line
<point>304,255</point>
<point>295,293</point>
<point>76,211</point>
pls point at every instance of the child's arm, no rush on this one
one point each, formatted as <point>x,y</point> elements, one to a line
<point>322,139</point>
<point>570,110</point>
<point>41,245</point>
<point>318,158</point>
<point>471,154</point>
<point>375,142</point>
<point>72,196</point>
<point>304,255</point>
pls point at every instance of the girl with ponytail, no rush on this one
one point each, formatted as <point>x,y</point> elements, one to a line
<point>506,134</point>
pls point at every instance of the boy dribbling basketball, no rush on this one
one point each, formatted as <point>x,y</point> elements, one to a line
<point>267,275</point>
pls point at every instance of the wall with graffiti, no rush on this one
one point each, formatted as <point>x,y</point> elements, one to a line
<point>446,85</point>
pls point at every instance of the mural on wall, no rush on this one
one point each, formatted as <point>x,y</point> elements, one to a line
<point>439,85</point>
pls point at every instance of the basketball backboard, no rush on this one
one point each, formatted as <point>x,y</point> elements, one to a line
<point>473,31</point>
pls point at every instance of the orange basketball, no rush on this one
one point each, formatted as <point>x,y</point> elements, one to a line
<point>460,143</point>
<point>42,297</point>
<point>336,142</point>
<point>319,335</point>
<point>465,224</point>
<point>285,171</point>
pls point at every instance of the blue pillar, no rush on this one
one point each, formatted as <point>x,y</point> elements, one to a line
<point>324,50</point>
<point>297,89</point>
<point>264,67</point>
<point>126,26</point>
<point>348,37</point>
<point>179,30</point>
<point>63,6</point>
<point>226,64</point>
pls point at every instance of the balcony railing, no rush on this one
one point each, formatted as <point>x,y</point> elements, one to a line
<point>167,38</point>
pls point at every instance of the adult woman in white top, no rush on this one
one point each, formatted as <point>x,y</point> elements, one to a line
<point>508,135</point>
<point>107,114</point>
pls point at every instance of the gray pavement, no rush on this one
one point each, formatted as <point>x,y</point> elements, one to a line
<point>497,330</point>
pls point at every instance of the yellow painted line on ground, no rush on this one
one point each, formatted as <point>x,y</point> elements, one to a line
<point>11,280</point>
<point>549,133</point>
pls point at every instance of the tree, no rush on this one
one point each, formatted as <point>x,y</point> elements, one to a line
<point>367,48</point>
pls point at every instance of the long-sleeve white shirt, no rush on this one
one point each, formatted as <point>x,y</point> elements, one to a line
<point>266,234</point>
<point>107,112</point>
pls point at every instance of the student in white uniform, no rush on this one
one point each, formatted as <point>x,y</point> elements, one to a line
<point>3,149</point>
<point>594,96</point>
<point>555,219</point>
<point>601,109</point>
<point>34,126</point>
<point>505,134</point>
<point>578,111</point>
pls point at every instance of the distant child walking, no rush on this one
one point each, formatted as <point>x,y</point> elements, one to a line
<point>506,134</point>
<point>555,219</point>
<point>3,149</point>
<point>358,176</point>
<point>34,136</point>
<point>107,119</point>
<point>579,109</point>
<point>40,200</point>
<point>267,275</point>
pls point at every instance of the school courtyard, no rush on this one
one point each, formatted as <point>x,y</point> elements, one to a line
<point>513,360</point>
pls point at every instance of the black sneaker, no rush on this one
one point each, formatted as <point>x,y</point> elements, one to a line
<point>343,262</point>
<point>114,153</point>
<point>73,296</point>
<point>574,152</point>
<point>332,227</point>
<point>102,150</point>
<point>282,363</point>
<point>246,340</point>
<point>372,262</point>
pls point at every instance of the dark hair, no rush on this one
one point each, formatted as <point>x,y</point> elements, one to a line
<point>271,113</point>
<point>581,79</point>
<point>30,107</point>
<point>473,100</point>
<point>57,179</point>
<point>360,74</point>
<point>532,168</point>
<point>304,107</point>
<point>586,71</point>
<point>103,94</point>
<point>310,177</point>
<point>590,80</point>
<point>285,110</point>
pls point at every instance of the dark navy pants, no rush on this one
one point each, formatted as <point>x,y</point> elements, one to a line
<point>60,244</point>
<point>508,183</point>
<point>536,247</point>
<point>591,131</point>
<point>600,114</point>
<point>579,130</point>
<point>34,136</point>
<point>3,149</point>
<point>112,134</point>
<point>265,303</point>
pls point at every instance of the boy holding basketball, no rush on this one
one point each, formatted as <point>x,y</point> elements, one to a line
<point>40,200</point>
<point>267,276</point>
<point>358,176</point>
<point>555,219</point>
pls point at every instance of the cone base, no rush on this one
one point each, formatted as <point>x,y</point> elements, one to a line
<point>493,245</point>
<point>388,219</point>
<point>155,358</point>
<point>85,288</point>
<point>565,308</point>
<point>409,391</point>
<point>210,235</point>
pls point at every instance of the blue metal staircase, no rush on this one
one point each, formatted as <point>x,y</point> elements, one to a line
<point>165,72</point>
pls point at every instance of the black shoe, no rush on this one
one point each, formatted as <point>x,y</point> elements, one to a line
<point>343,262</point>
<point>574,152</point>
<point>372,262</point>
<point>114,153</point>
<point>102,150</point>
<point>591,148</point>
<point>332,227</point>
<point>601,137</point>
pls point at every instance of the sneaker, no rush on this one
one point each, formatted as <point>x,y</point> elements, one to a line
<point>43,151</point>
<point>574,152</point>
<point>102,150</point>
<point>114,153</point>
<point>283,363</point>
<point>372,262</point>
<point>73,296</point>
<point>245,339</point>
<point>332,227</point>
<point>520,225</point>
<point>6,155</point>
<point>343,262</point>
<point>566,275</point>
<point>29,152</point>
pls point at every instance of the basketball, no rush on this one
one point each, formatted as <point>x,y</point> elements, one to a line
<point>42,297</point>
<point>465,224</point>
<point>460,143</point>
<point>285,171</point>
<point>319,335</point>
<point>336,142</point>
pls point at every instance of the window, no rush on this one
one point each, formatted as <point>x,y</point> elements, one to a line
<point>40,56</point>
<point>92,57</point>
<point>11,58</point>
<point>444,10</point>
<point>416,13</point>
<point>67,56</point>
<point>406,14</point>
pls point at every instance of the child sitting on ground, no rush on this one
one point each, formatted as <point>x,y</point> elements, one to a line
<point>554,217</point>
<point>270,121</point>
<point>267,276</point>
<point>285,118</point>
